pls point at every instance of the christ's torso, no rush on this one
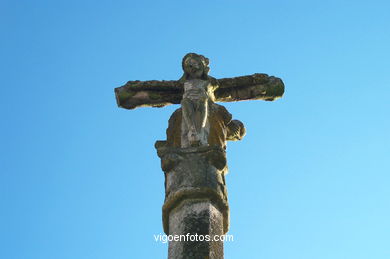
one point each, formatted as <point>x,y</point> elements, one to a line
<point>196,89</point>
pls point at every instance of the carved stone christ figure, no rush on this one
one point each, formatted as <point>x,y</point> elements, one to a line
<point>198,92</point>
<point>200,122</point>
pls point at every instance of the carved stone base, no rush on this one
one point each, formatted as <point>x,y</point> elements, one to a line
<point>195,200</point>
<point>196,173</point>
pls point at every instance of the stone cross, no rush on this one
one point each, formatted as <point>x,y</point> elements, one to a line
<point>193,157</point>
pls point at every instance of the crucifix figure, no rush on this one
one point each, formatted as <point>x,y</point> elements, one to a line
<point>198,92</point>
<point>193,157</point>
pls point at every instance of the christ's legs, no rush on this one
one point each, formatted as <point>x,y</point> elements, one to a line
<point>189,114</point>
<point>201,114</point>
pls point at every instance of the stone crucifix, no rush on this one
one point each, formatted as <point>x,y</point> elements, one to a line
<point>193,157</point>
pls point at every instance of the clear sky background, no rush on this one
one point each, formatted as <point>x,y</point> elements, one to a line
<point>80,178</point>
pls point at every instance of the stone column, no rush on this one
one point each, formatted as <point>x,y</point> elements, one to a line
<point>195,200</point>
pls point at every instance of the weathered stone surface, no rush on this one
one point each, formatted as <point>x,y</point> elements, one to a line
<point>197,100</point>
<point>155,93</point>
<point>221,127</point>
<point>192,174</point>
<point>193,156</point>
<point>196,217</point>
<point>195,198</point>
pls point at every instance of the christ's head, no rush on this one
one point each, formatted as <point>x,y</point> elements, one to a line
<point>195,66</point>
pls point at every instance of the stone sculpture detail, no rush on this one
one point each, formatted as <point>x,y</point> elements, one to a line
<point>193,157</point>
<point>198,93</point>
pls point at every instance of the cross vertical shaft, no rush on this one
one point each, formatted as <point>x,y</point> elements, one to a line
<point>195,208</point>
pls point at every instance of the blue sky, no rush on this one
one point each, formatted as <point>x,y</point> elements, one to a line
<point>79,177</point>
